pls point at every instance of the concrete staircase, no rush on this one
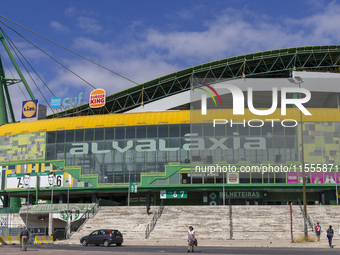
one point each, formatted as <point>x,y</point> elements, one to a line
<point>210,222</point>
<point>130,221</point>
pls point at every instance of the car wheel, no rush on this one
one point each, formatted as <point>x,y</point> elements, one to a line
<point>118,244</point>
<point>106,243</point>
<point>84,243</point>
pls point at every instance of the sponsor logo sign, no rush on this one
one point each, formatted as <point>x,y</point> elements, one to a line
<point>232,178</point>
<point>55,102</point>
<point>97,98</point>
<point>29,109</point>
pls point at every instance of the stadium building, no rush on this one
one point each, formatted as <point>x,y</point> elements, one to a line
<point>153,142</point>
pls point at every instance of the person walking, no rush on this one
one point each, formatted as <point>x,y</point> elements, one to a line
<point>191,239</point>
<point>148,209</point>
<point>318,231</point>
<point>24,235</point>
<point>330,233</point>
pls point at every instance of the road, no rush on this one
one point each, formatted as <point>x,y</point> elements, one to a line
<point>167,250</point>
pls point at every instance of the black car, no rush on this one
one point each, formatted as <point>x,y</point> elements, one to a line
<point>103,236</point>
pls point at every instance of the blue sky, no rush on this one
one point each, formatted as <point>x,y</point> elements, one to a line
<point>143,40</point>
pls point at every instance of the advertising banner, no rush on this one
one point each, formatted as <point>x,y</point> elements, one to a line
<point>21,181</point>
<point>49,179</point>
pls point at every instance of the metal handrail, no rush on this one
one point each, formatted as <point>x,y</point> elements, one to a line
<point>309,221</point>
<point>74,226</point>
<point>152,224</point>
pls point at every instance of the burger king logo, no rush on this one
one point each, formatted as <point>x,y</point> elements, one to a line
<point>97,98</point>
<point>232,178</point>
<point>29,109</point>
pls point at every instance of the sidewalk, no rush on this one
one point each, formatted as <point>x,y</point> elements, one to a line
<point>323,243</point>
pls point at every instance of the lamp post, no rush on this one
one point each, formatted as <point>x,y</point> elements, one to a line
<point>336,187</point>
<point>27,203</point>
<point>50,218</point>
<point>68,204</point>
<point>223,183</point>
<point>297,80</point>
<point>130,158</point>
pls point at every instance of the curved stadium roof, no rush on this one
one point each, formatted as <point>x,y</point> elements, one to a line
<point>274,64</point>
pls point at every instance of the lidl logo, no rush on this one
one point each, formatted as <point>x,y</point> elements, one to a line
<point>97,98</point>
<point>29,109</point>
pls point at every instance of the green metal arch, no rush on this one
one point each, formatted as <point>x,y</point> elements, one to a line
<point>274,63</point>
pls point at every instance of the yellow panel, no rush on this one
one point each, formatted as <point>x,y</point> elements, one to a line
<point>37,168</point>
<point>8,172</point>
<point>29,168</point>
<point>18,168</point>
<point>157,118</point>
<point>42,167</point>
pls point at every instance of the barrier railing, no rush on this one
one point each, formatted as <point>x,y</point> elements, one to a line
<point>74,226</point>
<point>153,222</point>
<point>308,220</point>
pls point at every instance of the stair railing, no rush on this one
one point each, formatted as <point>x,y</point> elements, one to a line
<point>74,226</point>
<point>152,224</point>
<point>308,219</point>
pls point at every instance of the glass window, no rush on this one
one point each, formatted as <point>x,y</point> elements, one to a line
<point>208,130</point>
<point>50,151</point>
<point>174,130</point>
<point>163,131</point>
<point>120,133</point>
<point>89,134</point>
<point>244,177</point>
<point>280,177</point>
<point>141,132</point>
<point>196,129</point>
<point>130,132</point>
<point>152,131</point>
<point>79,135</point>
<point>110,133</point>
<point>220,130</point>
<point>99,134</point>
<point>256,177</point>
<point>268,177</point>
<point>185,129</point>
<point>60,136</point>
<point>69,136</point>
<point>51,137</point>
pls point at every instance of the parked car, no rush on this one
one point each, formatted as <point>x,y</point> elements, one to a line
<point>103,236</point>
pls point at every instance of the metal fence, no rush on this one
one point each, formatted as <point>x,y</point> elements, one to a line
<point>153,222</point>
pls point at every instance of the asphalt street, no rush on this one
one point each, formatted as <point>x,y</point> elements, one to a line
<point>141,250</point>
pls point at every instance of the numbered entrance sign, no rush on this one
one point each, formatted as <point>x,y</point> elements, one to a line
<point>166,194</point>
<point>133,187</point>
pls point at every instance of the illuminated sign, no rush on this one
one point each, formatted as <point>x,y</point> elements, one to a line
<point>75,101</point>
<point>67,102</point>
<point>97,98</point>
<point>29,109</point>
<point>55,102</point>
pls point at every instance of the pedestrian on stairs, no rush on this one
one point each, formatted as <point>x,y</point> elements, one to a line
<point>148,209</point>
<point>318,231</point>
<point>330,234</point>
<point>191,239</point>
